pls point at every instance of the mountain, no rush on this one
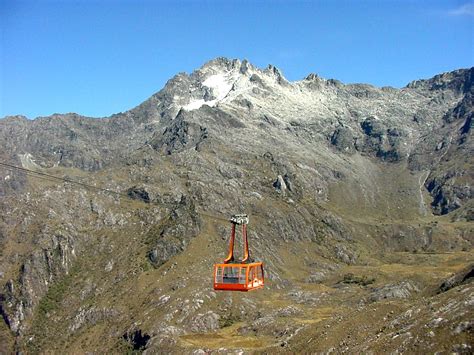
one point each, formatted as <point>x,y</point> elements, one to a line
<point>360,204</point>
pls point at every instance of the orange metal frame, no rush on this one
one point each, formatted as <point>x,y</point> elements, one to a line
<point>238,276</point>
<point>230,256</point>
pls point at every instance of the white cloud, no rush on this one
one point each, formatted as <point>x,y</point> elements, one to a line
<point>464,10</point>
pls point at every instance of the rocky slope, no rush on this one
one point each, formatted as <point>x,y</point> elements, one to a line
<point>360,201</point>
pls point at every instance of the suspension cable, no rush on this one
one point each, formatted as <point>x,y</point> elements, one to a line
<point>49,177</point>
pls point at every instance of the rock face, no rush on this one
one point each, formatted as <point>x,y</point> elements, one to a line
<point>332,174</point>
<point>42,268</point>
<point>464,276</point>
<point>205,322</point>
<point>343,139</point>
<point>173,236</point>
<point>401,290</point>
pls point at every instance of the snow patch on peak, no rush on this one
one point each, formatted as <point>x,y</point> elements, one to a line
<point>220,84</point>
<point>195,104</point>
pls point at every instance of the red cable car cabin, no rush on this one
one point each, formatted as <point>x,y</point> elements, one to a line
<point>238,276</point>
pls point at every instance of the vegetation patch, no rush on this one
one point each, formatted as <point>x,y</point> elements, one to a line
<point>358,280</point>
<point>228,320</point>
<point>50,302</point>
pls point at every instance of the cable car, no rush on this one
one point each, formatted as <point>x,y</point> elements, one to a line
<point>243,275</point>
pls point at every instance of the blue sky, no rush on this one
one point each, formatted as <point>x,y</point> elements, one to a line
<point>97,58</point>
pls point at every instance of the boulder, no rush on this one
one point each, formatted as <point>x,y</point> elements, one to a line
<point>401,290</point>
<point>464,276</point>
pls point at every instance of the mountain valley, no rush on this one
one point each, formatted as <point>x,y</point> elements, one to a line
<point>360,201</point>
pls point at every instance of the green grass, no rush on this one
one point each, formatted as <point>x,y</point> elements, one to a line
<point>229,319</point>
<point>49,303</point>
<point>358,280</point>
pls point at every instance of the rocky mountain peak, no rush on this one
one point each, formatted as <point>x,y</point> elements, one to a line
<point>222,63</point>
<point>208,85</point>
<point>15,118</point>
<point>460,81</point>
<point>313,77</point>
<point>220,81</point>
